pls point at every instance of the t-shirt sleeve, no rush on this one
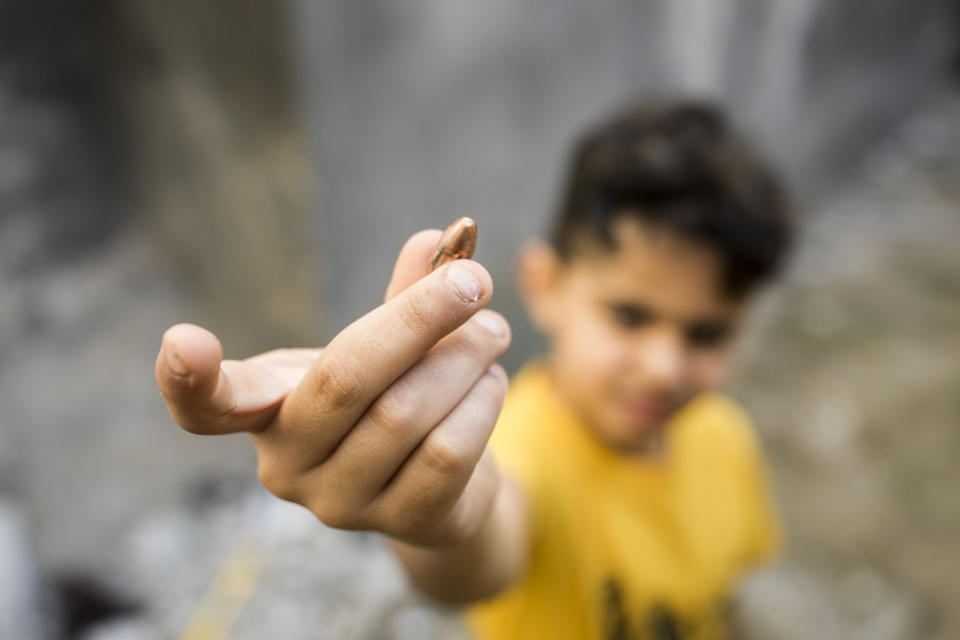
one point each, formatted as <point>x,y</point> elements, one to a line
<point>764,537</point>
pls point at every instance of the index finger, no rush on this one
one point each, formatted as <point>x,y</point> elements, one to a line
<point>367,356</point>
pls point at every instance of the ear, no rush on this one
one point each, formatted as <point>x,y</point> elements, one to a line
<point>538,270</point>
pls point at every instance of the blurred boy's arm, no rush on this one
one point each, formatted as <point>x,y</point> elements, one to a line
<point>483,565</point>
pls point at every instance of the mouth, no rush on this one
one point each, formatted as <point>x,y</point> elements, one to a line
<point>648,412</point>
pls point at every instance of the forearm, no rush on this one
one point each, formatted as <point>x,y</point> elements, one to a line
<point>480,567</point>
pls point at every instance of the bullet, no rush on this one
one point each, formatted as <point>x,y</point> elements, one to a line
<point>458,242</point>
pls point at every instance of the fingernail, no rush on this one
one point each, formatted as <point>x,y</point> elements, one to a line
<point>463,280</point>
<point>490,322</point>
<point>173,361</point>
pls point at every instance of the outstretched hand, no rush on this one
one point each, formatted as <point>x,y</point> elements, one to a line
<point>384,429</point>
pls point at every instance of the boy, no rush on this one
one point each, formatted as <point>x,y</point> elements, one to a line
<point>620,497</point>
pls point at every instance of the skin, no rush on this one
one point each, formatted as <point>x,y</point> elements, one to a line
<point>386,428</point>
<point>635,332</point>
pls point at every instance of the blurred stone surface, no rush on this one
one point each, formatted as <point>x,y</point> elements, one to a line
<point>851,370</point>
<point>219,163</point>
<point>309,581</point>
<point>20,606</point>
<point>62,178</point>
<point>115,125</point>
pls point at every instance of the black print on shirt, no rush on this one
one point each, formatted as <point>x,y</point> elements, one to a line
<point>657,622</point>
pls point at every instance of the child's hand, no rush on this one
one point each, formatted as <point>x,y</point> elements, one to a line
<point>386,428</point>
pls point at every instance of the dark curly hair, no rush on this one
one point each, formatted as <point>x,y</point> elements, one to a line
<point>681,166</point>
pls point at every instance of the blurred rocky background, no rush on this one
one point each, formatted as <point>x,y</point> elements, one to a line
<point>254,167</point>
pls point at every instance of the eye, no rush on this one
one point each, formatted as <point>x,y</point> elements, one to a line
<point>629,316</point>
<point>707,335</point>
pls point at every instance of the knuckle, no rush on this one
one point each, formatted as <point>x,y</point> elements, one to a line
<point>337,515</point>
<point>277,480</point>
<point>493,389</point>
<point>414,311</point>
<point>438,455</point>
<point>475,340</point>
<point>339,384</point>
<point>405,520</point>
<point>428,519</point>
<point>392,412</point>
<point>172,385</point>
<point>184,392</point>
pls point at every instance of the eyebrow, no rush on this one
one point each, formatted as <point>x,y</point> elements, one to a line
<point>645,310</point>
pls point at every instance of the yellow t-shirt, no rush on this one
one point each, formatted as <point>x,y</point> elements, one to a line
<point>624,548</point>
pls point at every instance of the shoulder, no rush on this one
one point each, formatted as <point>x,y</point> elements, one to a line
<point>720,443</point>
<point>719,422</point>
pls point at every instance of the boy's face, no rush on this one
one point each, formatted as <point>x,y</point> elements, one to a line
<point>636,331</point>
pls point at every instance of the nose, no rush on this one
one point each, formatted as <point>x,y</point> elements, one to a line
<point>662,358</point>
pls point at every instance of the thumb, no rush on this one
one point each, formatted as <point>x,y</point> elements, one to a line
<point>414,261</point>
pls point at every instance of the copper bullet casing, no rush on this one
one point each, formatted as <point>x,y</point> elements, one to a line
<point>458,242</point>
